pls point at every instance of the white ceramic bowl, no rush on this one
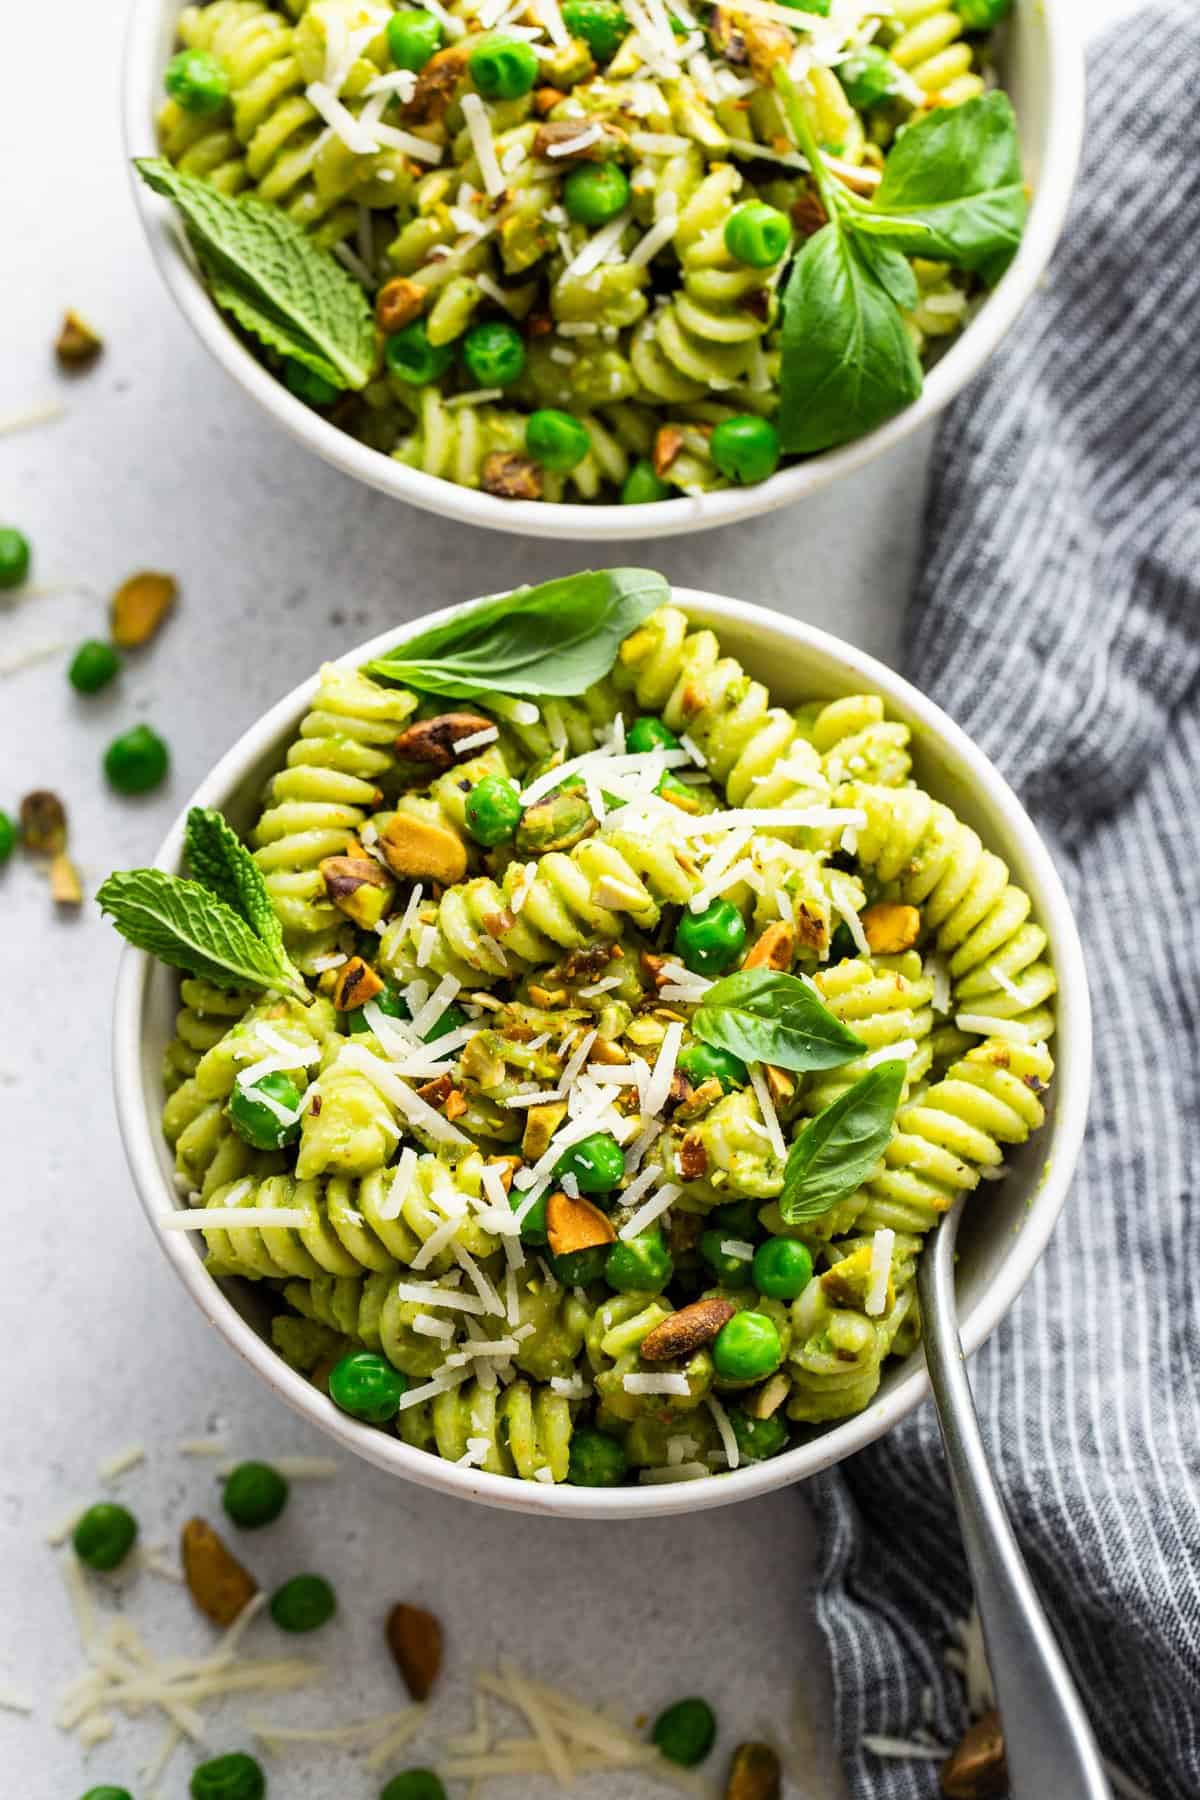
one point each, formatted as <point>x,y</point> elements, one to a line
<point>1043,71</point>
<point>1006,1228</point>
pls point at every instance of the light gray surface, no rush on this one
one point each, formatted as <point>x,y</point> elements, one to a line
<point>159,462</point>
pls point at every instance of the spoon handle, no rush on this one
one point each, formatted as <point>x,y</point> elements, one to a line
<point>1048,1742</point>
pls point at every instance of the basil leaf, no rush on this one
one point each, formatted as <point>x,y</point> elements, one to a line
<point>763,1015</point>
<point>891,270</point>
<point>837,1151</point>
<point>181,923</point>
<point>558,638</point>
<point>265,269</point>
<point>952,188</point>
<point>219,860</point>
<point>848,363</point>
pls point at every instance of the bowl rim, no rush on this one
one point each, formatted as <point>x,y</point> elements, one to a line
<point>139,1114</point>
<point>573,521</point>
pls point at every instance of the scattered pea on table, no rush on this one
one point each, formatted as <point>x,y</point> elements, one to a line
<point>558,440</point>
<point>255,1111</point>
<point>492,811</point>
<point>93,666</point>
<point>233,1777</point>
<point>136,761</point>
<point>108,1793</point>
<point>254,1495</point>
<point>8,837</point>
<point>15,556</point>
<point>685,1732</point>
<point>365,1385</point>
<point>105,1535</point>
<point>304,1603</point>
<point>708,942</point>
<point>414,1784</point>
<point>596,1459</point>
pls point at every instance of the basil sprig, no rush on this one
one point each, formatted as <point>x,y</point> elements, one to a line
<point>277,282</point>
<point>951,191</point>
<point>837,1151</point>
<point>558,638</point>
<point>221,927</point>
<point>763,1015</point>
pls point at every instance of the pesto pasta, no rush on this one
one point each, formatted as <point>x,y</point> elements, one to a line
<point>610,247</point>
<point>532,1123</point>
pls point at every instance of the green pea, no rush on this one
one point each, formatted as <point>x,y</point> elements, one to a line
<point>782,1268</point>
<point>737,1218</point>
<point>747,1347</point>
<point>414,1784</point>
<point>700,1062</point>
<point>709,942</point>
<point>685,1732</point>
<point>503,68</point>
<point>757,1439</point>
<point>580,1268</point>
<point>234,1777</point>
<point>494,353</point>
<point>594,193</point>
<point>597,1460</point>
<point>453,1019</point>
<point>253,1114</point>
<point>640,1265</point>
<point>671,788</point>
<point>389,1002</point>
<point>533,1225</point>
<point>136,761</point>
<point>600,23</point>
<point>597,1162</point>
<point>842,945</point>
<point>982,15</point>
<point>197,82</point>
<point>93,666</point>
<point>757,234</point>
<point>104,1535</point>
<point>254,1494</point>
<point>412,38</point>
<point>821,7</point>
<point>868,76</point>
<point>108,1793</point>
<point>365,1385</point>
<point>307,385</point>
<point>648,733</point>
<point>731,1271</point>
<point>411,357</point>
<point>558,440</point>
<point>642,485</point>
<point>15,556</point>
<point>8,837</point>
<point>492,811</point>
<point>745,449</point>
<point>304,1603</point>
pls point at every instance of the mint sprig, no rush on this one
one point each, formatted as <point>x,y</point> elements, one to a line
<point>265,269</point>
<point>221,862</point>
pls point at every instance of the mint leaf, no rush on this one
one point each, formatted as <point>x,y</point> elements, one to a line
<point>837,1151</point>
<point>847,363</point>
<point>266,270</point>
<point>763,1015</point>
<point>219,860</point>
<point>183,924</point>
<point>952,188</point>
<point>558,638</point>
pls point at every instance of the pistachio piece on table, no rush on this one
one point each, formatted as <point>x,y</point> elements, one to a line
<point>358,887</point>
<point>432,741</point>
<point>754,1774</point>
<point>415,1640</point>
<point>977,1770</point>
<point>356,983</point>
<point>418,850</point>
<point>139,607</point>
<point>66,889</point>
<point>890,928</point>
<point>77,344</point>
<point>573,1225</point>
<point>687,1330</point>
<point>43,823</point>
<point>216,1580</point>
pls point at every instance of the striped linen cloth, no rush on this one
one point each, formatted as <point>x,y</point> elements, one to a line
<point>1058,619</point>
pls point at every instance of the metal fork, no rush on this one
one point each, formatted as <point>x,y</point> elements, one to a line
<point>1049,1746</point>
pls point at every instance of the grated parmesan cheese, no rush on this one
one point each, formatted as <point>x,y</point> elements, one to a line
<point>655,1384</point>
<point>881,1267</point>
<point>979,1024</point>
<point>729,1442</point>
<point>758,1082</point>
<point>479,127</point>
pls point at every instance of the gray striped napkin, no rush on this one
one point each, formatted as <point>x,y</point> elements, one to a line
<point>1058,619</point>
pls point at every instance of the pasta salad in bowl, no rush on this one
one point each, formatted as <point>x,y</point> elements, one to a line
<point>561,1044</point>
<point>604,266</point>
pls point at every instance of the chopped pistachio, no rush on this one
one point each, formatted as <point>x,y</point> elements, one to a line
<point>43,823</point>
<point>77,345</point>
<point>66,889</point>
<point>358,887</point>
<point>139,607</point>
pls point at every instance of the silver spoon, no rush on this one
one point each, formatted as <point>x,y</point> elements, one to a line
<point>1048,1742</point>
